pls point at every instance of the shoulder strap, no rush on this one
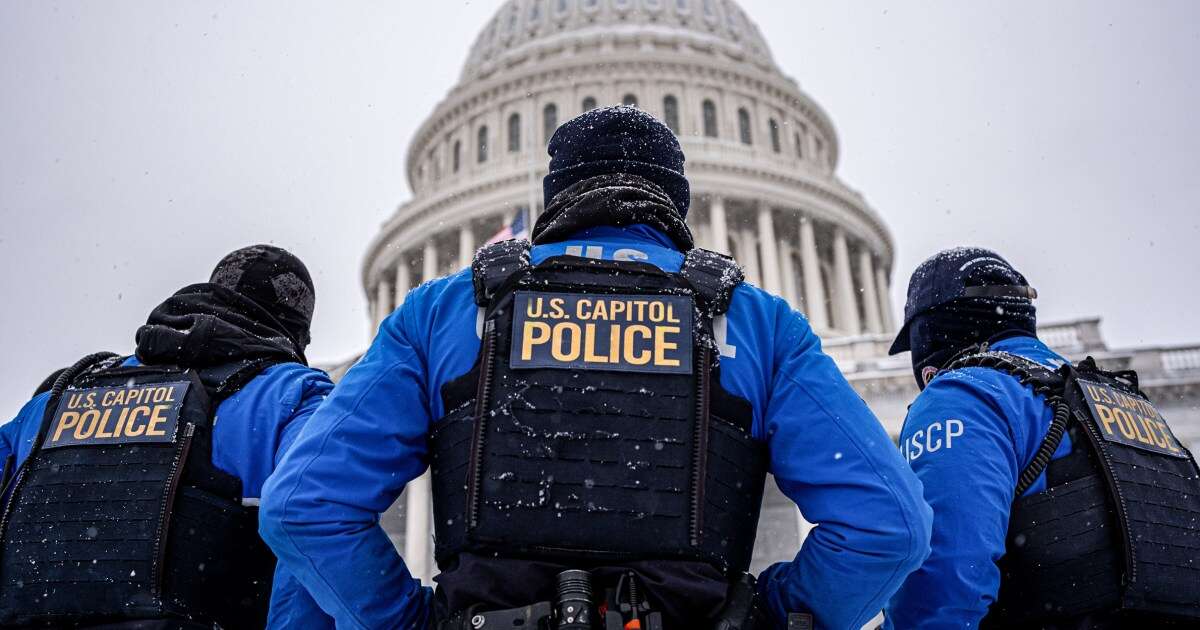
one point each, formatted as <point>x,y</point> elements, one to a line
<point>496,263</point>
<point>1044,381</point>
<point>714,276</point>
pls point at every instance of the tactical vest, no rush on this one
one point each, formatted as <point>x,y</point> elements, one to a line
<point>118,514</point>
<point>593,424</point>
<point>1116,533</point>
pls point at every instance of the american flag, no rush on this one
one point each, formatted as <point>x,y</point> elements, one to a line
<point>517,228</point>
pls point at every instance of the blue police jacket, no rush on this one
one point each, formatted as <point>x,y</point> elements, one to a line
<point>827,451</point>
<point>254,427</point>
<point>968,436</point>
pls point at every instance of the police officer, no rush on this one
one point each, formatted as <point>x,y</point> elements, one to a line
<point>131,484</point>
<point>607,400</point>
<point>1060,497</point>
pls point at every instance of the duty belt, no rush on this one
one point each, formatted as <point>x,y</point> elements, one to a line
<point>622,608</point>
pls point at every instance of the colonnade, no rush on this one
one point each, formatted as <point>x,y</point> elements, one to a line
<point>835,279</point>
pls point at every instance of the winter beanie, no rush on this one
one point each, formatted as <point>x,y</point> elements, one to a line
<point>275,279</point>
<point>612,140</point>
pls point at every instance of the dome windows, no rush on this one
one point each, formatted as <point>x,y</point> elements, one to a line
<point>589,103</point>
<point>561,7</point>
<point>671,112</point>
<point>481,145</point>
<point>456,156</point>
<point>709,110</point>
<point>630,100</point>
<point>514,133</point>
<point>683,6</point>
<point>799,145</point>
<point>549,121</point>
<point>744,130</point>
<point>776,145</point>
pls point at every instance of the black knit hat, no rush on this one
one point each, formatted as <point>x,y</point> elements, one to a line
<point>276,280</point>
<point>616,140</point>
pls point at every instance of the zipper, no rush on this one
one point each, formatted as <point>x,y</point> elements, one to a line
<point>165,509</point>
<point>482,394</point>
<point>700,447</point>
<point>12,498</point>
<point>1115,492</point>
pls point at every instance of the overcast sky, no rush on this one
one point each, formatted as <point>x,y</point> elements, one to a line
<point>141,141</point>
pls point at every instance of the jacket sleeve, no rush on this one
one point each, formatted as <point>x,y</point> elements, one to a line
<point>832,457</point>
<point>320,510</point>
<point>292,608</point>
<point>17,436</point>
<point>960,445</point>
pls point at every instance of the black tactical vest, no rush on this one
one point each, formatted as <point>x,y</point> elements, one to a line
<point>118,514</point>
<point>1116,534</point>
<point>593,424</point>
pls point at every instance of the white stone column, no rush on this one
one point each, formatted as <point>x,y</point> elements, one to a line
<point>417,537</point>
<point>718,229</point>
<point>846,308</point>
<point>768,249</point>
<point>884,292</point>
<point>466,245</point>
<point>814,287</point>
<point>748,249</point>
<point>403,279</point>
<point>787,271</point>
<point>866,278</point>
<point>383,301</point>
<point>429,263</point>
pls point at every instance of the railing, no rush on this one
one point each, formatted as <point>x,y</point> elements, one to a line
<point>1176,360</point>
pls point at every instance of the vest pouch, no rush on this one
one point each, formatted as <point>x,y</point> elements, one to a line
<point>1154,485</point>
<point>735,475</point>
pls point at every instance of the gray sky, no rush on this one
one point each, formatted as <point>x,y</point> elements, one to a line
<point>140,141</point>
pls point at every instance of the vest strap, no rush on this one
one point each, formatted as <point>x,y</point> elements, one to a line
<point>1044,381</point>
<point>714,276</point>
<point>496,263</point>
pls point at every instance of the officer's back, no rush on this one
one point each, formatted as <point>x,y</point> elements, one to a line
<point>155,498</point>
<point>582,358</point>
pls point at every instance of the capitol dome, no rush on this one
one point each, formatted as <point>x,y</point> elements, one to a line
<point>761,154</point>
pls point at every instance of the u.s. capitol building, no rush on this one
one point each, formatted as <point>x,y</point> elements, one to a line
<point>761,158</point>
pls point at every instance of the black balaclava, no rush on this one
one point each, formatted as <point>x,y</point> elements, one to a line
<point>940,334</point>
<point>959,299</point>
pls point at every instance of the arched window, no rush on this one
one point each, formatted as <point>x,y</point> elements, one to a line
<point>481,144</point>
<point>820,152</point>
<point>549,121</point>
<point>630,100</point>
<point>514,133</point>
<point>589,103</point>
<point>456,157</point>
<point>671,112</point>
<point>744,126</point>
<point>799,145</point>
<point>776,146</point>
<point>710,118</point>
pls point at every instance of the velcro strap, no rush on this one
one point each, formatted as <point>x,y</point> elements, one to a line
<point>496,263</point>
<point>714,277</point>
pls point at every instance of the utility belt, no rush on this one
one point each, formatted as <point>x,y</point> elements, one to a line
<point>622,606</point>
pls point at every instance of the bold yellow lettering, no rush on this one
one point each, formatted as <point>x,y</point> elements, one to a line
<point>639,358</point>
<point>156,419</point>
<point>601,310</point>
<point>1162,427</point>
<point>1106,418</point>
<point>1151,430</point>
<point>121,421</point>
<point>67,420</point>
<point>531,311</point>
<point>661,345</point>
<point>1125,424</point>
<point>617,309</point>
<point>89,417</point>
<point>556,308</point>
<point>656,311</point>
<point>533,334</point>
<point>557,341</point>
<point>100,433</point>
<point>671,319</point>
<point>581,309</point>
<point>614,344</point>
<point>131,429</point>
<point>589,345</point>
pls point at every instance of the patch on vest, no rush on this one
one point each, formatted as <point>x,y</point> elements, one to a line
<point>624,333</point>
<point>1129,420</point>
<point>117,415</point>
